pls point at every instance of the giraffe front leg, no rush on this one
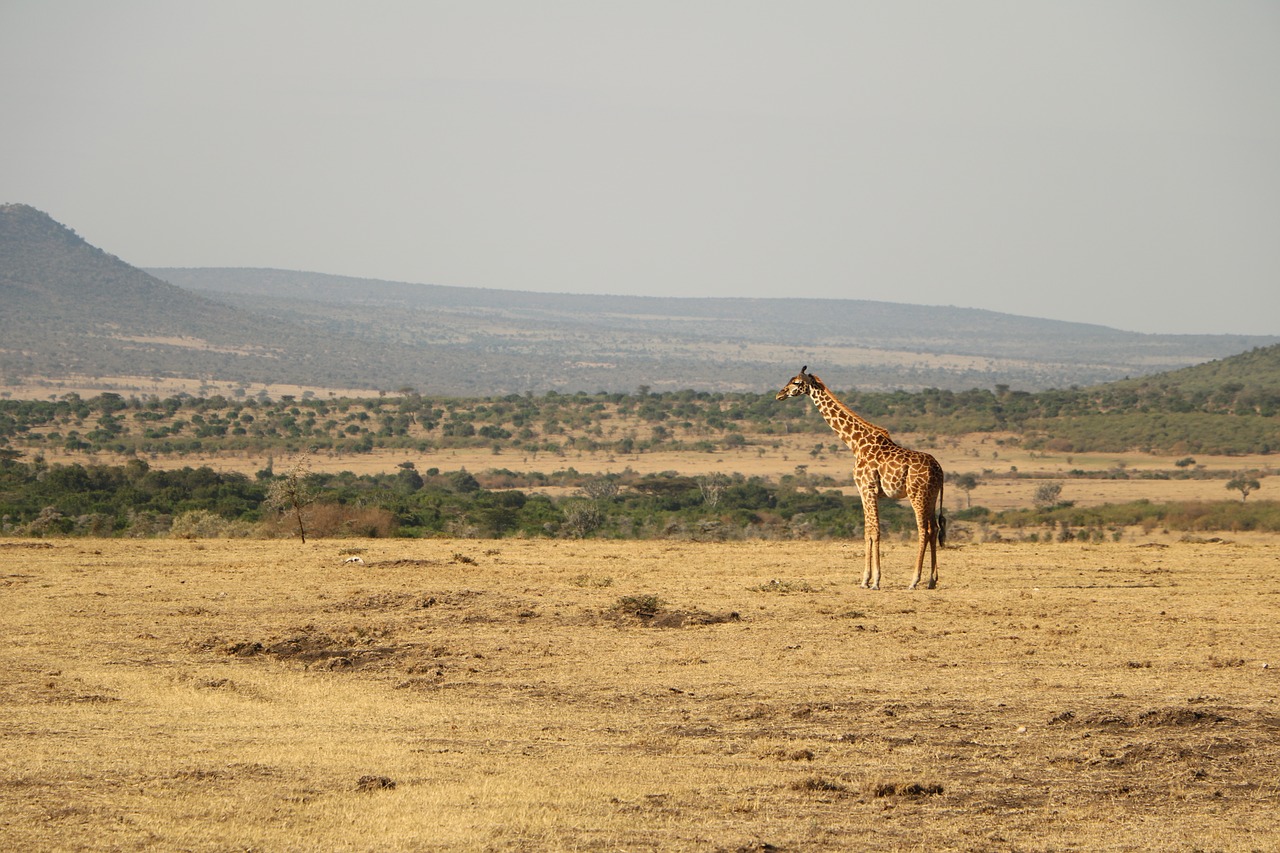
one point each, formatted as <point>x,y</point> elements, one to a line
<point>871,538</point>
<point>875,560</point>
<point>871,572</point>
<point>871,518</point>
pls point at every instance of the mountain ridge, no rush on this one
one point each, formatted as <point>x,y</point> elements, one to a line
<point>1078,353</point>
<point>73,309</point>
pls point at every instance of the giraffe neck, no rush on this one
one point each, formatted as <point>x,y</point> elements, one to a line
<point>849,425</point>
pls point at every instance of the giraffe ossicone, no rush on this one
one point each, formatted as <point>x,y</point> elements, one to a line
<point>882,469</point>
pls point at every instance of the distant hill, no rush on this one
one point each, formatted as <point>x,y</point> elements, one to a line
<point>49,275</point>
<point>619,343</point>
<point>68,308</point>
<point>1244,383</point>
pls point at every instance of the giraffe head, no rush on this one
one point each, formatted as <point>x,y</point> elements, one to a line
<point>800,385</point>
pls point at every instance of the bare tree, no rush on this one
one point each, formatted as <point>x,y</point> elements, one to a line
<point>580,519</point>
<point>1047,494</point>
<point>601,488</point>
<point>291,494</point>
<point>712,487</point>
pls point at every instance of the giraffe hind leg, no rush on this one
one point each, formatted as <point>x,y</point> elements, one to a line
<point>915,579</point>
<point>928,542</point>
<point>939,540</point>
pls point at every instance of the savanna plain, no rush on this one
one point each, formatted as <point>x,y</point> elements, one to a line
<point>212,695</point>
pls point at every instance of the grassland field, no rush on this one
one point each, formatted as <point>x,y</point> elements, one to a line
<point>1008,474</point>
<point>214,695</point>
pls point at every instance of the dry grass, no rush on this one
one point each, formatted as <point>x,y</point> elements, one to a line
<point>52,388</point>
<point>553,695</point>
<point>978,454</point>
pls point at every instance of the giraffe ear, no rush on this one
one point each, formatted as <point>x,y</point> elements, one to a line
<point>803,369</point>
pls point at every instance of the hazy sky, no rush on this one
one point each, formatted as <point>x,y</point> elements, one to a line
<point>1113,162</point>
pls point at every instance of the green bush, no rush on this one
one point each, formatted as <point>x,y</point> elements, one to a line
<point>203,524</point>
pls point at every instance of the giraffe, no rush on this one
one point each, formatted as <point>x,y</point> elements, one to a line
<point>881,469</point>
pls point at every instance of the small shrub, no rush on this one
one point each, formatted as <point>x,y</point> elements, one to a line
<point>203,524</point>
<point>818,784</point>
<point>639,604</point>
<point>50,522</point>
<point>1047,494</point>
<point>784,587</point>
<point>581,519</point>
<point>95,524</point>
<point>901,789</point>
<point>144,523</point>
<point>585,581</point>
<point>330,520</point>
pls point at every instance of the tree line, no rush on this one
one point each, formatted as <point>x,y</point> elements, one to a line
<point>135,500</point>
<point>1231,420</point>
<point>38,498</point>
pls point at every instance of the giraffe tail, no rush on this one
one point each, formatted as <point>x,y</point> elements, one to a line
<point>942,520</point>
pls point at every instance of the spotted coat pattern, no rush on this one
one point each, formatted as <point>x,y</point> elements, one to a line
<point>881,469</point>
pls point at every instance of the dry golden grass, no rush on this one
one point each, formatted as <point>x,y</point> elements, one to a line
<point>220,695</point>
<point>52,388</point>
<point>988,456</point>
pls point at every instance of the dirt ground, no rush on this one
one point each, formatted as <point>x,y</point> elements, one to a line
<point>211,695</point>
